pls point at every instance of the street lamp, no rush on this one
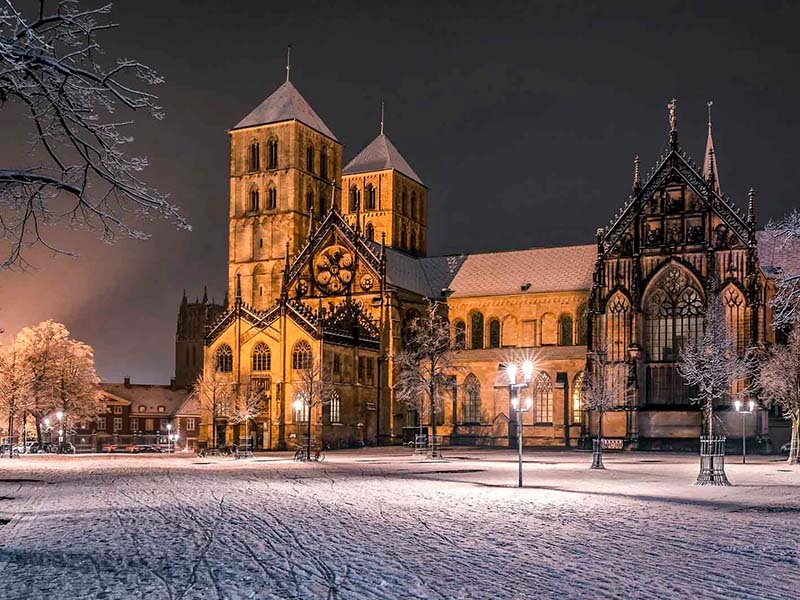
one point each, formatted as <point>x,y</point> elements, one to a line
<point>60,417</point>
<point>513,391</point>
<point>744,412</point>
<point>169,438</point>
<point>301,400</point>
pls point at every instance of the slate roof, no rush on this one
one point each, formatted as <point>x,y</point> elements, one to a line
<point>285,104</point>
<point>190,406</point>
<point>148,396</point>
<point>774,255</point>
<point>380,155</point>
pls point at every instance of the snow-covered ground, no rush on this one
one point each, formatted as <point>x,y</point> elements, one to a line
<point>376,523</point>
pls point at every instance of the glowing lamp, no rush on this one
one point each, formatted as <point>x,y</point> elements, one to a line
<point>511,371</point>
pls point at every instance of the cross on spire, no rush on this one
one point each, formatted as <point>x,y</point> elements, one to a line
<point>288,60</point>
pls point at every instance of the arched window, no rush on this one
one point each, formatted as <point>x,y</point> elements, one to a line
<point>476,326</point>
<point>253,158</point>
<point>262,359</point>
<point>617,327</point>
<point>674,311</point>
<point>459,335</point>
<point>223,359</point>
<point>543,398</point>
<point>371,201</point>
<point>582,324</point>
<point>336,408</point>
<point>549,331</point>
<point>471,407</point>
<point>254,200</point>
<point>272,153</point>
<point>736,317</point>
<point>403,202</point>
<point>494,333</point>
<point>323,163</point>
<point>370,231</point>
<point>413,206</point>
<point>301,355</point>
<point>577,397</point>
<point>310,158</point>
<point>310,202</point>
<point>272,198</point>
<point>355,197</point>
<point>565,330</point>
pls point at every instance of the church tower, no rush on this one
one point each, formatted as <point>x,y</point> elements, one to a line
<point>385,196</point>
<point>285,168</point>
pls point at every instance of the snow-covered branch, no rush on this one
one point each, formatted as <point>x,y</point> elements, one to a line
<point>786,304</point>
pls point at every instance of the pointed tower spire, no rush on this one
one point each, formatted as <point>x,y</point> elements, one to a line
<point>637,177</point>
<point>184,300</point>
<point>751,208</point>
<point>672,107</point>
<point>288,61</point>
<point>381,117</point>
<point>710,165</point>
<point>205,294</point>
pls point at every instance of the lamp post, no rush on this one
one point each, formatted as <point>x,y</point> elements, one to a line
<point>169,438</point>
<point>744,412</point>
<point>60,417</point>
<point>303,401</point>
<point>513,391</point>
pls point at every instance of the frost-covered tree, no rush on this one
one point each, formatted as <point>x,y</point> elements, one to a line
<point>780,385</point>
<point>712,365</point>
<point>248,405</point>
<point>786,303</point>
<point>53,69</point>
<point>15,383</point>
<point>77,386</point>
<point>606,387</point>
<point>214,391</point>
<point>425,366</point>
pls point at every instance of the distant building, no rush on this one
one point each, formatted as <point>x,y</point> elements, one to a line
<point>193,318</point>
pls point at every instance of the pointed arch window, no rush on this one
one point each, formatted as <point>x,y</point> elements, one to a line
<point>355,197</point>
<point>543,398</point>
<point>336,408</point>
<point>371,198</point>
<point>272,153</point>
<point>370,232</point>
<point>272,198</point>
<point>565,330</point>
<point>310,202</point>
<point>736,317</point>
<point>254,200</point>
<point>471,404</point>
<point>476,326</point>
<point>310,158</point>
<point>459,335</point>
<point>494,333</point>
<point>674,313</point>
<point>223,359</point>
<point>403,202</point>
<point>413,205</point>
<point>253,156</point>
<point>577,397</point>
<point>301,356</point>
<point>617,327</point>
<point>262,358</point>
<point>323,163</point>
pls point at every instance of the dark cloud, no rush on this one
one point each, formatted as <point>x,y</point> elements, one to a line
<point>523,118</point>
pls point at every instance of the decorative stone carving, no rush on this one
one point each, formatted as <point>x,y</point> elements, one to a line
<point>333,269</point>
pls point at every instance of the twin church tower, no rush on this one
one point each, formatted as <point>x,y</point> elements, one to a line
<point>286,174</point>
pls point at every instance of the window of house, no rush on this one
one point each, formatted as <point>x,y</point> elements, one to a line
<point>134,424</point>
<point>223,359</point>
<point>149,425</point>
<point>674,315</point>
<point>272,154</point>
<point>310,158</point>
<point>190,424</point>
<point>301,355</point>
<point>162,425</point>
<point>254,200</point>
<point>371,202</point>
<point>476,323</point>
<point>272,198</point>
<point>117,424</point>
<point>253,160</point>
<point>459,335</point>
<point>336,408</point>
<point>142,409</point>
<point>161,409</point>
<point>370,231</point>
<point>543,398</point>
<point>323,163</point>
<point>471,409</point>
<point>355,197</point>
<point>577,397</point>
<point>101,423</point>
<point>494,333</point>
<point>118,410</point>
<point>262,358</point>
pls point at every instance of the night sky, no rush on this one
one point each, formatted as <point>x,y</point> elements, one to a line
<point>522,118</point>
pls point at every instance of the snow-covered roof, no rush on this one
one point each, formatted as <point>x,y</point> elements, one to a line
<point>774,255</point>
<point>148,398</point>
<point>380,155</point>
<point>285,104</point>
<point>190,406</point>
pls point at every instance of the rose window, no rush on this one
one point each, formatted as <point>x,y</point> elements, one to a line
<point>333,269</point>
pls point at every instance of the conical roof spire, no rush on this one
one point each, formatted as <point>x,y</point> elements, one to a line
<point>205,294</point>
<point>710,163</point>
<point>672,107</point>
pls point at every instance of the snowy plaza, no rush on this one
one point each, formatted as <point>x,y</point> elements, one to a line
<point>378,523</point>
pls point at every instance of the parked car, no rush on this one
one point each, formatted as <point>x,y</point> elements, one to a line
<point>27,447</point>
<point>139,448</point>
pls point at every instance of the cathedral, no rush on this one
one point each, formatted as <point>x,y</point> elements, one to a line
<point>328,266</point>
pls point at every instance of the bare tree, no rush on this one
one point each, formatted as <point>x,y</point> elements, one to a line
<point>712,365</point>
<point>77,171</point>
<point>313,388</point>
<point>15,384</point>
<point>425,366</point>
<point>216,395</point>
<point>248,405</point>
<point>606,387</point>
<point>786,303</point>
<point>780,385</point>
